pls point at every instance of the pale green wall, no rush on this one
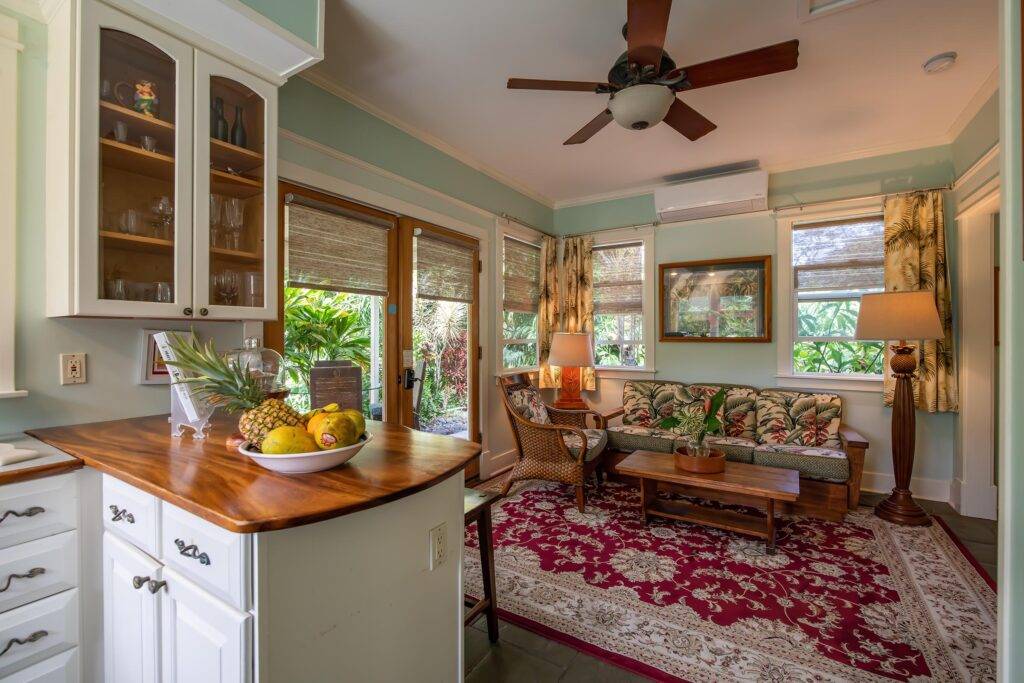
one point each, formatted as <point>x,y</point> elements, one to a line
<point>300,17</point>
<point>977,137</point>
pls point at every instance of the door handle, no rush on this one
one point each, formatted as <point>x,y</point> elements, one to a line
<point>139,581</point>
<point>409,378</point>
<point>155,585</point>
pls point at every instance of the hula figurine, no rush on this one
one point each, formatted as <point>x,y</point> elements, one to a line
<point>146,101</point>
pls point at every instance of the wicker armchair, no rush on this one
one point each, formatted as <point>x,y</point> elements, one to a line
<point>557,451</point>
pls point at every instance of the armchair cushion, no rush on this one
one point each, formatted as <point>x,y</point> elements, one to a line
<point>529,404</point>
<point>597,439</point>
<point>635,438</point>
<point>736,449</point>
<point>824,464</point>
<point>798,419</point>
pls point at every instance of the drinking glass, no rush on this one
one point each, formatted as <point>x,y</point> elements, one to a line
<point>252,288</point>
<point>163,211</point>
<point>226,285</point>
<point>216,211</point>
<point>234,219</point>
<point>148,143</point>
<point>131,221</point>
<point>164,293</point>
<point>120,131</point>
<point>117,288</point>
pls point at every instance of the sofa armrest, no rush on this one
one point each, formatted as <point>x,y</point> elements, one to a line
<point>854,444</point>
<point>851,437</point>
<point>618,412</point>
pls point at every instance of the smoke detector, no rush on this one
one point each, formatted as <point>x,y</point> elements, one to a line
<point>940,62</point>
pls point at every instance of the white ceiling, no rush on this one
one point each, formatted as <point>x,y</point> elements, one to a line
<point>439,68</point>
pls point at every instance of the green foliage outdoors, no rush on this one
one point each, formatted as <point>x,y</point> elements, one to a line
<point>441,338</point>
<point>838,318</point>
<point>608,351</point>
<point>519,325</point>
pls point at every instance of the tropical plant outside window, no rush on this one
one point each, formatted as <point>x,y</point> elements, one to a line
<point>618,281</point>
<point>834,263</point>
<point>521,279</point>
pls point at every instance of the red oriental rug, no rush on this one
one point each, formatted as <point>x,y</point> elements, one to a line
<point>861,600</point>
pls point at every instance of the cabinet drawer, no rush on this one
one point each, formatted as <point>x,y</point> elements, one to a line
<point>131,513</point>
<point>38,508</point>
<point>62,668</point>
<point>45,628</point>
<point>215,558</point>
<point>34,570</point>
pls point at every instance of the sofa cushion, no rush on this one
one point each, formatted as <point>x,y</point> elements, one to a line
<point>736,449</point>
<point>823,464</point>
<point>529,404</point>
<point>738,413</point>
<point>636,438</point>
<point>597,439</point>
<point>800,419</point>
<point>645,403</point>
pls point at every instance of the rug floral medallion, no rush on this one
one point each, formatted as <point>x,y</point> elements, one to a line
<point>861,600</point>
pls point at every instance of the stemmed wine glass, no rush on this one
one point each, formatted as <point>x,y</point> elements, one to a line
<point>226,285</point>
<point>234,218</point>
<point>163,210</point>
<point>216,210</point>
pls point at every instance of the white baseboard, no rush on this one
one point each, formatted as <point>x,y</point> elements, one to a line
<point>929,489</point>
<point>493,463</point>
<point>955,488</point>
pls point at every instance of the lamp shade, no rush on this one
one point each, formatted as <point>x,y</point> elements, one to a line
<point>898,316</point>
<point>571,350</point>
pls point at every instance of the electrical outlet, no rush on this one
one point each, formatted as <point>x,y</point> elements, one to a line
<point>438,546</point>
<point>72,368</point>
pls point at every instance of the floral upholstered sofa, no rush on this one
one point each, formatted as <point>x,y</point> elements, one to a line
<point>772,427</point>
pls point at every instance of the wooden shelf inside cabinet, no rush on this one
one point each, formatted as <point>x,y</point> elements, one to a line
<point>138,124</point>
<point>224,155</point>
<point>234,185</point>
<point>149,245</point>
<point>137,160</point>
<point>234,255</point>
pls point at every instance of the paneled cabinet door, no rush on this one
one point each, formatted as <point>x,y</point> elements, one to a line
<point>235,238</point>
<point>131,613</point>
<point>134,242</point>
<point>202,638</point>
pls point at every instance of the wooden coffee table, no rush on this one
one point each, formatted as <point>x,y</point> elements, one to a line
<point>768,484</point>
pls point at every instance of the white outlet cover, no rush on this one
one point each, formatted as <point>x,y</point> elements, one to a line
<point>438,551</point>
<point>72,368</point>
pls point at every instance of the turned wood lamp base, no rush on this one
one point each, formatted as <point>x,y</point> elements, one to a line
<point>569,395</point>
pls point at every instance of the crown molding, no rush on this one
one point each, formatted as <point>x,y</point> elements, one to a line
<point>330,86</point>
<point>974,105</point>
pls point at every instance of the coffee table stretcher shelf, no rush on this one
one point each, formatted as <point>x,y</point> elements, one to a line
<point>767,484</point>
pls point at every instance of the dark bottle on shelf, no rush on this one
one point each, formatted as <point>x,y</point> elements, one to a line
<point>238,129</point>
<point>218,124</point>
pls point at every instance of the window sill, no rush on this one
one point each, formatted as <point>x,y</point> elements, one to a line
<point>625,373</point>
<point>505,372</point>
<point>830,382</point>
<point>15,393</point>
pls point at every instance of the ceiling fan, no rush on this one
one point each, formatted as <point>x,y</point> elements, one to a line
<point>644,80</point>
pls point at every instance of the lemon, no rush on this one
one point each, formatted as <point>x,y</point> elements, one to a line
<point>357,417</point>
<point>330,408</point>
<point>286,440</point>
<point>336,431</point>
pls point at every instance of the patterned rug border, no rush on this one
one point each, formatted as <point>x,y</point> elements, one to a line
<point>636,667</point>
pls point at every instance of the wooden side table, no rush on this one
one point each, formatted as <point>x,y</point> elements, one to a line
<point>477,507</point>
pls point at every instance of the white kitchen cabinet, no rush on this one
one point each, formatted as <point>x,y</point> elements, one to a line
<point>131,613</point>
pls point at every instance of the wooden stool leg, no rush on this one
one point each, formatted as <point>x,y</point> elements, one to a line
<point>581,499</point>
<point>485,536</point>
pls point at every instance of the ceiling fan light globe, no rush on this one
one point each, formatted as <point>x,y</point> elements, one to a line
<point>640,106</point>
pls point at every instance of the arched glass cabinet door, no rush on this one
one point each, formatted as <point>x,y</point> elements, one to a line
<point>135,223</point>
<point>236,193</point>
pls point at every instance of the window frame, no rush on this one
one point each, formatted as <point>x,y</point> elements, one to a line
<point>645,237</point>
<point>787,308</point>
<point>516,231</point>
<point>9,50</point>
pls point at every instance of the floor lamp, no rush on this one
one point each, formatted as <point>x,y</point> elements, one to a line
<point>571,351</point>
<point>901,316</point>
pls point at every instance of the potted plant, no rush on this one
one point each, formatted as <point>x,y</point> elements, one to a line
<point>697,456</point>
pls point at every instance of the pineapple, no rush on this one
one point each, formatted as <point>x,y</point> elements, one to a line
<point>233,388</point>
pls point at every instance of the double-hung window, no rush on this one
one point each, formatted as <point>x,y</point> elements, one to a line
<point>834,262</point>
<point>521,280</point>
<point>618,281</point>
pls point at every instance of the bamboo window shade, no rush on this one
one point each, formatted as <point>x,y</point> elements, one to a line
<point>521,276</point>
<point>619,279</point>
<point>335,249</point>
<point>445,269</point>
<point>840,256</point>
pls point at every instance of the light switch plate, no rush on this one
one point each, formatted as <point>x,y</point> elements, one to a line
<point>72,368</point>
<point>438,546</point>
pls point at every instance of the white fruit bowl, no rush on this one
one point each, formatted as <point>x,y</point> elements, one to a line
<point>304,463</point>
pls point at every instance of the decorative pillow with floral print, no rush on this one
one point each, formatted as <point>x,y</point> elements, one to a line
<point>738,414</point>
<point>530,405</point>
<point>647,403</point>
<point>790,417</point>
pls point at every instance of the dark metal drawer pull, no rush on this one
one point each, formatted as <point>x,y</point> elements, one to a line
<point>192,551</point>
<point>30,512</point>
<point>139,581</point>
<point>38,635</point>
<point>121,513</point>
<point>30,574</point>
<point>155,586</point>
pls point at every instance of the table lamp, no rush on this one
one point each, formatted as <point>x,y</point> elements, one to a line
<point>901,316</point>
<point>571,351</point>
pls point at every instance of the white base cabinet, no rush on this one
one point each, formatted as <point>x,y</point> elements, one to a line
<point>131,614</point>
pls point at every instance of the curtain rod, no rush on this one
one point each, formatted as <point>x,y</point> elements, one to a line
<point>509,217</point>
<point>791,207</point>
<point>634,226</point>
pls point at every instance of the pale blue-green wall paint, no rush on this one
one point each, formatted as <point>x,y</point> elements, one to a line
<point>314,113</point>
<point>299,17</point>
<point>977,137</point>
<point>112,346</point>
<point>608,214</point>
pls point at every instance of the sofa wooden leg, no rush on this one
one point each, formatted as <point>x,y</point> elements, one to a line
<point>581,499</point>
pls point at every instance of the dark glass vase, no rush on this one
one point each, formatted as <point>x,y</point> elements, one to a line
<point>218,124</point>
<point>238,137</point>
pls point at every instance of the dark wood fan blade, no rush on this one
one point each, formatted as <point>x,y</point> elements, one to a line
<point>761,62</point>
<point>688,120</point>
<point>646,23</point>
<point>587,131</point>
<point>541,84</point>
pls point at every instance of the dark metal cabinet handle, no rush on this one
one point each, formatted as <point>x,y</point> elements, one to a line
<point>38,635</point>
<point>155,586</point>
<point>192,551</point>
<point>121,513</point>
<point>187,311</point>
<point>139,581</point>
<point>30,574</point>
<point>30,512</point>
<point>204,311</point>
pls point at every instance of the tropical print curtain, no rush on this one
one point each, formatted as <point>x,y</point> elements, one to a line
<point>548,311</point>
<point>915,259</point>
<point>578,311</point>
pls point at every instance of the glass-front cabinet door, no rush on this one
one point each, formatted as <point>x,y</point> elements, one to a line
<point>235,239</point>
<point>135,225</point>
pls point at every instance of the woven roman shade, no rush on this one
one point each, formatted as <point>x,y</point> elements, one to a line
<point>336,249</point>
<point>521,276</point>
<point>445,269</point>
<point>619,279</point>
<point>844,256</point>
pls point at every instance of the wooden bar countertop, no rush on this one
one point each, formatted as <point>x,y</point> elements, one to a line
<point>226,488</point>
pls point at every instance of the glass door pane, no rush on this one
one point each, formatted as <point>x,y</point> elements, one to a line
<point>137,170</point>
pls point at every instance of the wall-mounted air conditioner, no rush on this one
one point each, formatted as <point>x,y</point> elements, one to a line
<point>716,196</point>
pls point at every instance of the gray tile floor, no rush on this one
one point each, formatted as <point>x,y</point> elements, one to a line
<point>524,656</point>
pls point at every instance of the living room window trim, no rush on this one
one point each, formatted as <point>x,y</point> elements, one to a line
<point>786,297</point>
<point>645,236</point>
<point>517,231</point>
<point>9,49</point>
